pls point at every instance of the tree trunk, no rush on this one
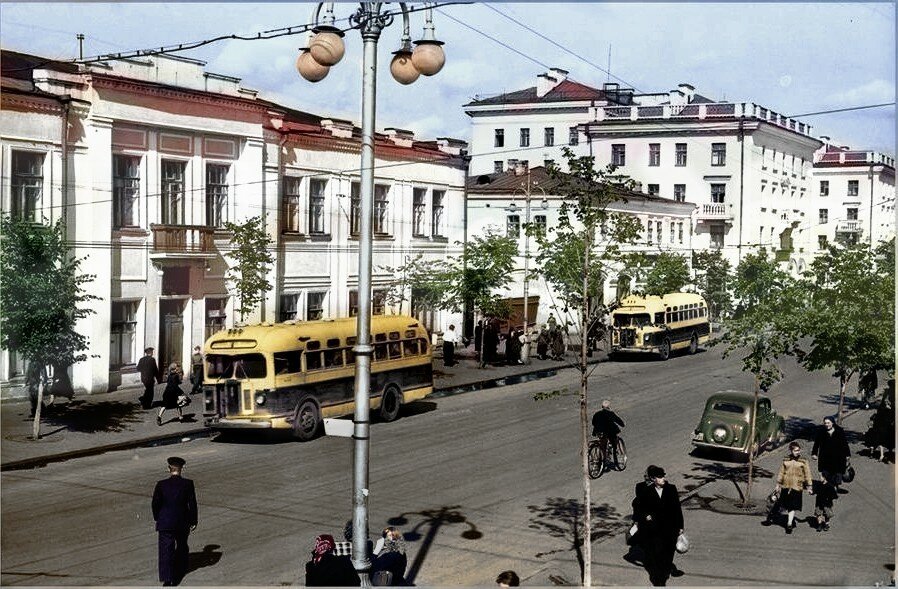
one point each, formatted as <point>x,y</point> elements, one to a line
<point>584,425</point>
<point>36,425</point>
<point>751,440</point>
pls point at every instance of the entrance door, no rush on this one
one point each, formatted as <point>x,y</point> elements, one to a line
<point>171,332</point>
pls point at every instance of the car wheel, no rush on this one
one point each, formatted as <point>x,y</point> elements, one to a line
<point>306,421</point>
<point>664,350</point>
<point>390,403</point>
<point>693,344</point>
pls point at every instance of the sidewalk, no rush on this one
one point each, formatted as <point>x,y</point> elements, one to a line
<point>730,547</point>
<point>93,424</point>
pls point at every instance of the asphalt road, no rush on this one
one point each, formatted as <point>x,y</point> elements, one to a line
<point>479,482</point>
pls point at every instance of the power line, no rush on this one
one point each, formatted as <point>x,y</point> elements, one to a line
<point>835,110</point>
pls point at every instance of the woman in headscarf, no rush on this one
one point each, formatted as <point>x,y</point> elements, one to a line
<point>326,569</point>
<point>391,558</point>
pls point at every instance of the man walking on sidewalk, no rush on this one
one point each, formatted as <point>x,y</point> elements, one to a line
<point>659,519</point>
<point>450,338</point>
<point>175,512</point>
<point>149,376</point>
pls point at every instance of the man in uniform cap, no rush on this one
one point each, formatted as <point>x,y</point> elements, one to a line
<point>175,513</point>
<point>150,375</point>
<point>656,509</point>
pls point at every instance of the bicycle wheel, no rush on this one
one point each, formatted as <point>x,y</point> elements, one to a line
<point>621,462</point>
<point>596,459</point>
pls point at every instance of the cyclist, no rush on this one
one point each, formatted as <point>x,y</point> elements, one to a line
<point>606,422</point>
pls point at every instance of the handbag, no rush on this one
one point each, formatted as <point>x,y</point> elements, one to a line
<point>183,400</point>
<point>773,498</point>
<point>848,475</point>
<point>682,544</point>
<point>631,533</point>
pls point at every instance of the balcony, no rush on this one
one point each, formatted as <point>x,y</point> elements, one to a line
<point>182,241</point>
<point>849,227</point>
<point>715,212</point>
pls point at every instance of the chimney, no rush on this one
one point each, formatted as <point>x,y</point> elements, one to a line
<point>546,82</point>
<point>687,90</point>
<point>825,139</point>
<point>451,146</point>
<point>400,137</point>
<point>338,127</point>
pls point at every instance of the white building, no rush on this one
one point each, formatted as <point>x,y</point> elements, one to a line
<point>146,159</point>
<point>853,196</point>
<point>746,167</point>
<point>499,201</point>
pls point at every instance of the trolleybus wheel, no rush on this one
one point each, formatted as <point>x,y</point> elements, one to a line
<point>390,403</point>
<point>306,421</point>
<point>693,343</point>
<point>664,350</point>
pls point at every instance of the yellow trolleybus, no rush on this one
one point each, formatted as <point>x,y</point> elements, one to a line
<point>291,375</point>
<point>660,324</point>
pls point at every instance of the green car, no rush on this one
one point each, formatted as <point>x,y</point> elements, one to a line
<point>726,422</point>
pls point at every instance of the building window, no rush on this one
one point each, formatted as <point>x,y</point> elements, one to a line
<point>549,135</point>
<point>418,210</point>
<point>680,154</point>
<point>717,236</point>
<point>436,213</point>
<point>173,192</point>
<point>122,330</point>
<point>658,228</point>
<point>654,154</point>
<point>573,136</point>
<point>718,154</point>
<point>499,140</point>
<point>291,204</point>
<point>651,235</point>
<point>125,190</point>
<point>680,192</point>
<point>824,188</point>
<point>672,231</point>
<point>27,184</point>
<point>718,193</point>
<point>498,166</point>
<point>513,226</point>
<point>654,189</point>
<point>548,163</point>
<point>851,214</point>
<point>763,158</point>
<point>378,302</point>
<point>822,242</point>
<point>852,188</point>
<point>381,205</point>
<point>314,306</point>
<point>316,205</point>
<point>216,313</point>
<point>289,304</point>
<point>525,137</point>
<point>680,231</point>
<point>355,208</point>
<point>216,195</point>
<point>539,223</point>
<point>618,154</point>
<point>824,216</point>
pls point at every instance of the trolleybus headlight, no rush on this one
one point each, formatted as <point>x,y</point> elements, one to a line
<point>260,399</point>
<point>645,338</point>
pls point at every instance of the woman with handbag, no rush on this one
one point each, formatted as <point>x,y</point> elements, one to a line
<point>793,478</point>
<point>173,392</point>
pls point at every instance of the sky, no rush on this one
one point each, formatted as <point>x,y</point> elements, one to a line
<point>794,58</point>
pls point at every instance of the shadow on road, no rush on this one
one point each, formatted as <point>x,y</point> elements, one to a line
<point>431,521</point>
<point>209,556</point>
<point>418,408</point>
<point>706,472</point>
<point>80,416</point>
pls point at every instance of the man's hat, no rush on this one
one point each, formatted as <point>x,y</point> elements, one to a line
<point>655,472</point>
<point>176,461</point>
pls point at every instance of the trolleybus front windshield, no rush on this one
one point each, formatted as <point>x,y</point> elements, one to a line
<point>631,320</point>
<point>236,366</point>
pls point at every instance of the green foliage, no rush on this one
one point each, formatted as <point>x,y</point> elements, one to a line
<point>553,394</point>
<point>713,279</point>
<point>669,273</point>
<point>477,276</point>
<point>43,293</point>
<point>251,252</point>
<point>585,227</point>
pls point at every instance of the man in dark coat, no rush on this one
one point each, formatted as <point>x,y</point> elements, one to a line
<point>831,451</point>
<point>175,513</point>
<point>606,422</point>
<point>149,376</point>
<point>656,509</point>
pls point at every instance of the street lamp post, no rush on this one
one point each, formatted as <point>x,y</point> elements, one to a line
<point>325,50</point>
<point>528,193</point>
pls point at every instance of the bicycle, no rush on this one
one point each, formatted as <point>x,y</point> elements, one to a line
<point>602,457</point>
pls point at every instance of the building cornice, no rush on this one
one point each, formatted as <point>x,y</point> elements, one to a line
<point>102,81</point>
<point>31,103</point>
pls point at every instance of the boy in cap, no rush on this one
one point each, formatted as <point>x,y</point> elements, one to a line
<point>175,513</point>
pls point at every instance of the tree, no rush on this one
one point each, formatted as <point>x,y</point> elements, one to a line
<point>574,257</point>
<point>763,328</point>
<point>477,276</point>
<point>849,318</point>
<point>251,252</point>
<point>41,301</point>
<point>669,273</point>
<point>712,279</point>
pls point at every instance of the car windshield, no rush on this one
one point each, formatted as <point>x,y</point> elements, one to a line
<point>237,366</point>
<point>631,319</point>
<point>728,407</point>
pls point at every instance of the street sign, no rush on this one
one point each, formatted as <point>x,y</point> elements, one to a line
<point>338,427</point>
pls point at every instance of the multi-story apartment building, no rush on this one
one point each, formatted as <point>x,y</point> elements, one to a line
<point>853,197</point>
<point>500,202</point>
<point>146,160</point>
<point>747,167</point>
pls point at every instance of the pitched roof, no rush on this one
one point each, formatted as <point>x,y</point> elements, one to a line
<point>20,65</point>
<point>566,91</point>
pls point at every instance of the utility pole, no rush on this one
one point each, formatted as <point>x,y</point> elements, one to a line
<point>525,349</point>
<point>80,37</point>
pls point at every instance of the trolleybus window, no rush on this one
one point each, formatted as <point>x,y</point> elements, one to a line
<point>240,366</point>
<point>628,320</point>
<point>287,362</point>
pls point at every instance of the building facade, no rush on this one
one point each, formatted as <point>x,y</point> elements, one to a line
<point>147,159</point>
